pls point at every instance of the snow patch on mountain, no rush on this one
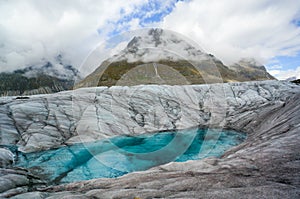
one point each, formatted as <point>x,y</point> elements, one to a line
<point>157,44</point>
<point>247,63</point>
<point>55,69</point>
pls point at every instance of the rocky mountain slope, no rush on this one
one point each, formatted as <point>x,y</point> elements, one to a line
<point>38,80</point>
<point>161,53</point>
<point>297,81</point>
<point>265,165</point>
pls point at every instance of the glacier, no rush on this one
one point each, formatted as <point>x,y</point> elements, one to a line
<point>264,165</point>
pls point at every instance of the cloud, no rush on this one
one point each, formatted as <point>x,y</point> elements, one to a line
<point>32,31</point>
<point>285,74</point>
<point>275,67</point>
<point>148,14</point>
<point>233,29</point>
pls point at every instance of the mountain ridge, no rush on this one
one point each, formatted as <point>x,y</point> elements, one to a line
<point>43,79</point>
<point>165,47</point>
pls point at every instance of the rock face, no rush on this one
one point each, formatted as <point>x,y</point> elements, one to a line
<point>265,165</point>
<point>297,81</point>
<point>251,69</point>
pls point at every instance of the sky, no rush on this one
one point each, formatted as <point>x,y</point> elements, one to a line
<point>33,32</point>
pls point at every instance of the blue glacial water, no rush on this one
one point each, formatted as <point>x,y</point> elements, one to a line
<point>124,154</point>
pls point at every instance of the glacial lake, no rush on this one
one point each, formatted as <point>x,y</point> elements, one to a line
<point>120,155</point>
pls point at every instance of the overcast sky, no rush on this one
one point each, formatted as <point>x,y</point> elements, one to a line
<point>35,31</point>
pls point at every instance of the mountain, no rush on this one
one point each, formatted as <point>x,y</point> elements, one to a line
<point>48,78</point>
<point>290,79</point>
<point>163,57</point>
<point>250,69</point>
<point>296,81</point>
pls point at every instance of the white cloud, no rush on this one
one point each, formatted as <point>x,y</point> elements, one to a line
<point>285,74</point>
<point>31,31</point>
<point>233,29</point>
<point>274,67</point>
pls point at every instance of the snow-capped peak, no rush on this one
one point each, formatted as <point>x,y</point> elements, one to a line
<point>157,44</point>
<point>247,63</point>
<point>54,69</point>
